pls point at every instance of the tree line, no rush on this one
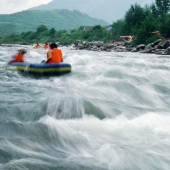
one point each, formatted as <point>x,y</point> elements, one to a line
<point>145,24</point>
<point>45,35</point>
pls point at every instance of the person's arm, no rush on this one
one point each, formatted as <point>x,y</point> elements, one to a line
<point>61,55</point>
<point>49,56</point>
<point>47,60</point>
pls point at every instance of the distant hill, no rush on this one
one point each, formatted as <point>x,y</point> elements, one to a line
<point>59,19</point>
<point>107,10</point>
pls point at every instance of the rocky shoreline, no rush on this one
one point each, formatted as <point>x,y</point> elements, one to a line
<point>160,46</point>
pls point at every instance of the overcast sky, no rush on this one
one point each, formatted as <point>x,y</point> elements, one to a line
<point>12,6</point>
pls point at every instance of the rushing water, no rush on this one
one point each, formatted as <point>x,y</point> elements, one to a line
<point>112,112</point>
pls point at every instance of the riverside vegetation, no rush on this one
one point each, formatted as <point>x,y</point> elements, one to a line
<point>140,22</point>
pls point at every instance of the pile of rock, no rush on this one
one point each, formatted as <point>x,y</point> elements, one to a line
<point>158,47</point>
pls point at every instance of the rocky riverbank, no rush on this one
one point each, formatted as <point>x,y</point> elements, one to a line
<point>158,47</point>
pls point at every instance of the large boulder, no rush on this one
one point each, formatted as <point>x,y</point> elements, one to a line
<point>167,51</point>
<point>140,47</point>
<point>156,42</point>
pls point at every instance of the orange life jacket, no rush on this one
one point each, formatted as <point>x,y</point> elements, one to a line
<point>18,58</point>
<point>57,56</point>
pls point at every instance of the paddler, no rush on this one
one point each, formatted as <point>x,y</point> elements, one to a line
<point>54,54</point>
<point>19,57</point>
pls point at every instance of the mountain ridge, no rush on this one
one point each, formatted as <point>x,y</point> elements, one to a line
<point>29,20</point>
<point>107,10</point>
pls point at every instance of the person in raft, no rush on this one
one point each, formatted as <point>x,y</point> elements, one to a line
<point>46,46</point>
<point>37,46</point>
<point>19,57</point>
<point>54,54</point>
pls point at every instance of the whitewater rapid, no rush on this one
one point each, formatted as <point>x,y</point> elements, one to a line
<point>110,113</point>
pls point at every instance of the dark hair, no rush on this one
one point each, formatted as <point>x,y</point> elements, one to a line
<point>53,45</point>
<point>22,51</point>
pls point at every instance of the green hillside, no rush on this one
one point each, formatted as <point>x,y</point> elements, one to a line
<point>59,19</point>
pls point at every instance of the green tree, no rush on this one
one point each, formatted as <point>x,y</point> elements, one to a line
<point>161,8</point>
<point>52,32</point>
<point>119,28</point>
<point>165,29</point>
<point>97,32</point>
<point>144,33</point>
<point>134,16</point>
<point>41,28</point>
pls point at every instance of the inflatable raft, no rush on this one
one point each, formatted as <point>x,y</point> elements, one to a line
<point>41,69</point>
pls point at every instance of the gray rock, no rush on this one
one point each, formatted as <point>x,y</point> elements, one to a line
<point>167,51</point>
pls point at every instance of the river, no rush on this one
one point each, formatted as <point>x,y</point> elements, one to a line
<point>112,112</point>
